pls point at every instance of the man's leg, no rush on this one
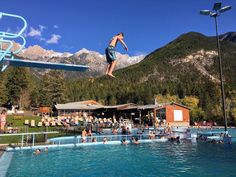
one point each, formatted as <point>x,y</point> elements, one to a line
<point>113,63</point>
<point>108,68</point>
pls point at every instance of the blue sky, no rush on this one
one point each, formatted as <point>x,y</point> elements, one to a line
<point>69,25</point>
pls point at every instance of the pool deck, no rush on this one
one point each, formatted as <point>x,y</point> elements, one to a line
<point>2,149</point>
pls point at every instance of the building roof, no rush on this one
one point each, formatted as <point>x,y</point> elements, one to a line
<point>120,106</point>
<point>160,106</point>
<point>82,105</point>
<point>92,105</point>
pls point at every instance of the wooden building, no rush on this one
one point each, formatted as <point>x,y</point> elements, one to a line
<point>172,114</point>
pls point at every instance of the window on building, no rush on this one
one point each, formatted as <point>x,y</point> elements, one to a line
<point>178,115</point>
<point>161,114</point>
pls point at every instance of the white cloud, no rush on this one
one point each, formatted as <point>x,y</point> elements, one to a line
<point>41,27</point>
<point>54,39</point>
<point>9,30</point>
<point>34,32</point>
<point>55,26</point>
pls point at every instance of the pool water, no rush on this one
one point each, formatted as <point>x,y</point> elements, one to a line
<point>148,159</point>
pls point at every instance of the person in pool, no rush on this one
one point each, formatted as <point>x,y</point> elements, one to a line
<point>134,140</point>
<point>37,151</point>
<point>104,140</point>
<point>111,53</point>
<point>46,150</point>
<point>124,142</point>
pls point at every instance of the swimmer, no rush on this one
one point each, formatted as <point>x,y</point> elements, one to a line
<point>94,140</point>
<point>46,150</point>
<point>37,151</point>
<point>124,142</point>
<point>104,140</point>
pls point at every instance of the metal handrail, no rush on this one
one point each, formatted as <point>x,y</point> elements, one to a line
<point>32,133</point>
<point>12,35</point>
<point>8,50</point>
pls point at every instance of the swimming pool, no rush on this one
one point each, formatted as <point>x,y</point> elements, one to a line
<point>149,159</point>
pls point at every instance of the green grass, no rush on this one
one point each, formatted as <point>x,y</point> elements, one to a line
<point>12,122</point>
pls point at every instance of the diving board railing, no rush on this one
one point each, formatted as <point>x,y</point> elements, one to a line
<point>7,54</point>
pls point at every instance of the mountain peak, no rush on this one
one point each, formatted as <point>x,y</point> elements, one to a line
<point>83,50</point>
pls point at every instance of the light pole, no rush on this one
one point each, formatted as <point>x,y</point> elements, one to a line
<point>215,12</point>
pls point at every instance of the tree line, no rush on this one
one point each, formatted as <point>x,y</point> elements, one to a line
<point>19,86</point>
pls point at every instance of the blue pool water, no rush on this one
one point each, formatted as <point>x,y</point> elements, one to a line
<point>149,159</point>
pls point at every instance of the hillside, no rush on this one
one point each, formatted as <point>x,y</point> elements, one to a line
<point>189,59</point>
<point>186,66</point>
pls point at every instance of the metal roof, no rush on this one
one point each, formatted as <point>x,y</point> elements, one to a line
<point>92,105</point>
<point>83,105</point>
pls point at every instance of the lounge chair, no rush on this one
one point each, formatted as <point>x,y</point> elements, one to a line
<point>32,123</point>
<point>59,123</point>
<point>26,122</point>
<point>53,124</point>
<point>46,124</point>
<point>40,124</point>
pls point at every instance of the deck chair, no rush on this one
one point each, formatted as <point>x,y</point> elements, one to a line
<point>40,124</point>
<point>32,123</point>
<point>46,124</point>
<point>26,122</point>
<point>59,123</point>
<point>53,124</point>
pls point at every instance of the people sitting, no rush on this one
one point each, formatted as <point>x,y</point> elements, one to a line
<point>152,135</point>
<point>89,132</point>
<point>124,130</point>
<point>114,131</point>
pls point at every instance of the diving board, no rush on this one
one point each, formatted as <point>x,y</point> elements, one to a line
<point>46,65</point>
<point>7,55</point>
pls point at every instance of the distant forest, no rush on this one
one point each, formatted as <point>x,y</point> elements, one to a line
<point>19,87</point>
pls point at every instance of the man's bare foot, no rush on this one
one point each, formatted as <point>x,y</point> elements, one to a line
<point>111,75</point>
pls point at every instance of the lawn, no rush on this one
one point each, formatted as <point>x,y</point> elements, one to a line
<point>18,122</point>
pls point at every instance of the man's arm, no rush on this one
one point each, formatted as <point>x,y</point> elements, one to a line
<point>123,43</point>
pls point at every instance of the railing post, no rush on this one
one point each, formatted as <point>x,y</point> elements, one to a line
<point>22,140</point>
<point>33,138</point>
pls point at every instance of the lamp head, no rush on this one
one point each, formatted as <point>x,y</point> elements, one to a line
<point>226,8</point>
<point>205,12</point>
<point>214,14</point>
<point>217,6</point>
<point>0,15</point>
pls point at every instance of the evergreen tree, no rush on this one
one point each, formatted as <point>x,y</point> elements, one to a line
<point>17,84</point>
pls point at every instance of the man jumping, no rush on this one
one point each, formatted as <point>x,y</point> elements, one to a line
<point>111,53</point>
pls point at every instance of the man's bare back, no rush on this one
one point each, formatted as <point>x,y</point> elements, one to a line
<point>115,40</point>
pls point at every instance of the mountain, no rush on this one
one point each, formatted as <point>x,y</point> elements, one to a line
<point>94,60</point>
<point>187,66</point>
<point>230,36</point>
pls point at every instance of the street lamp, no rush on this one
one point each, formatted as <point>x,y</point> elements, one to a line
<point>215,12</point>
